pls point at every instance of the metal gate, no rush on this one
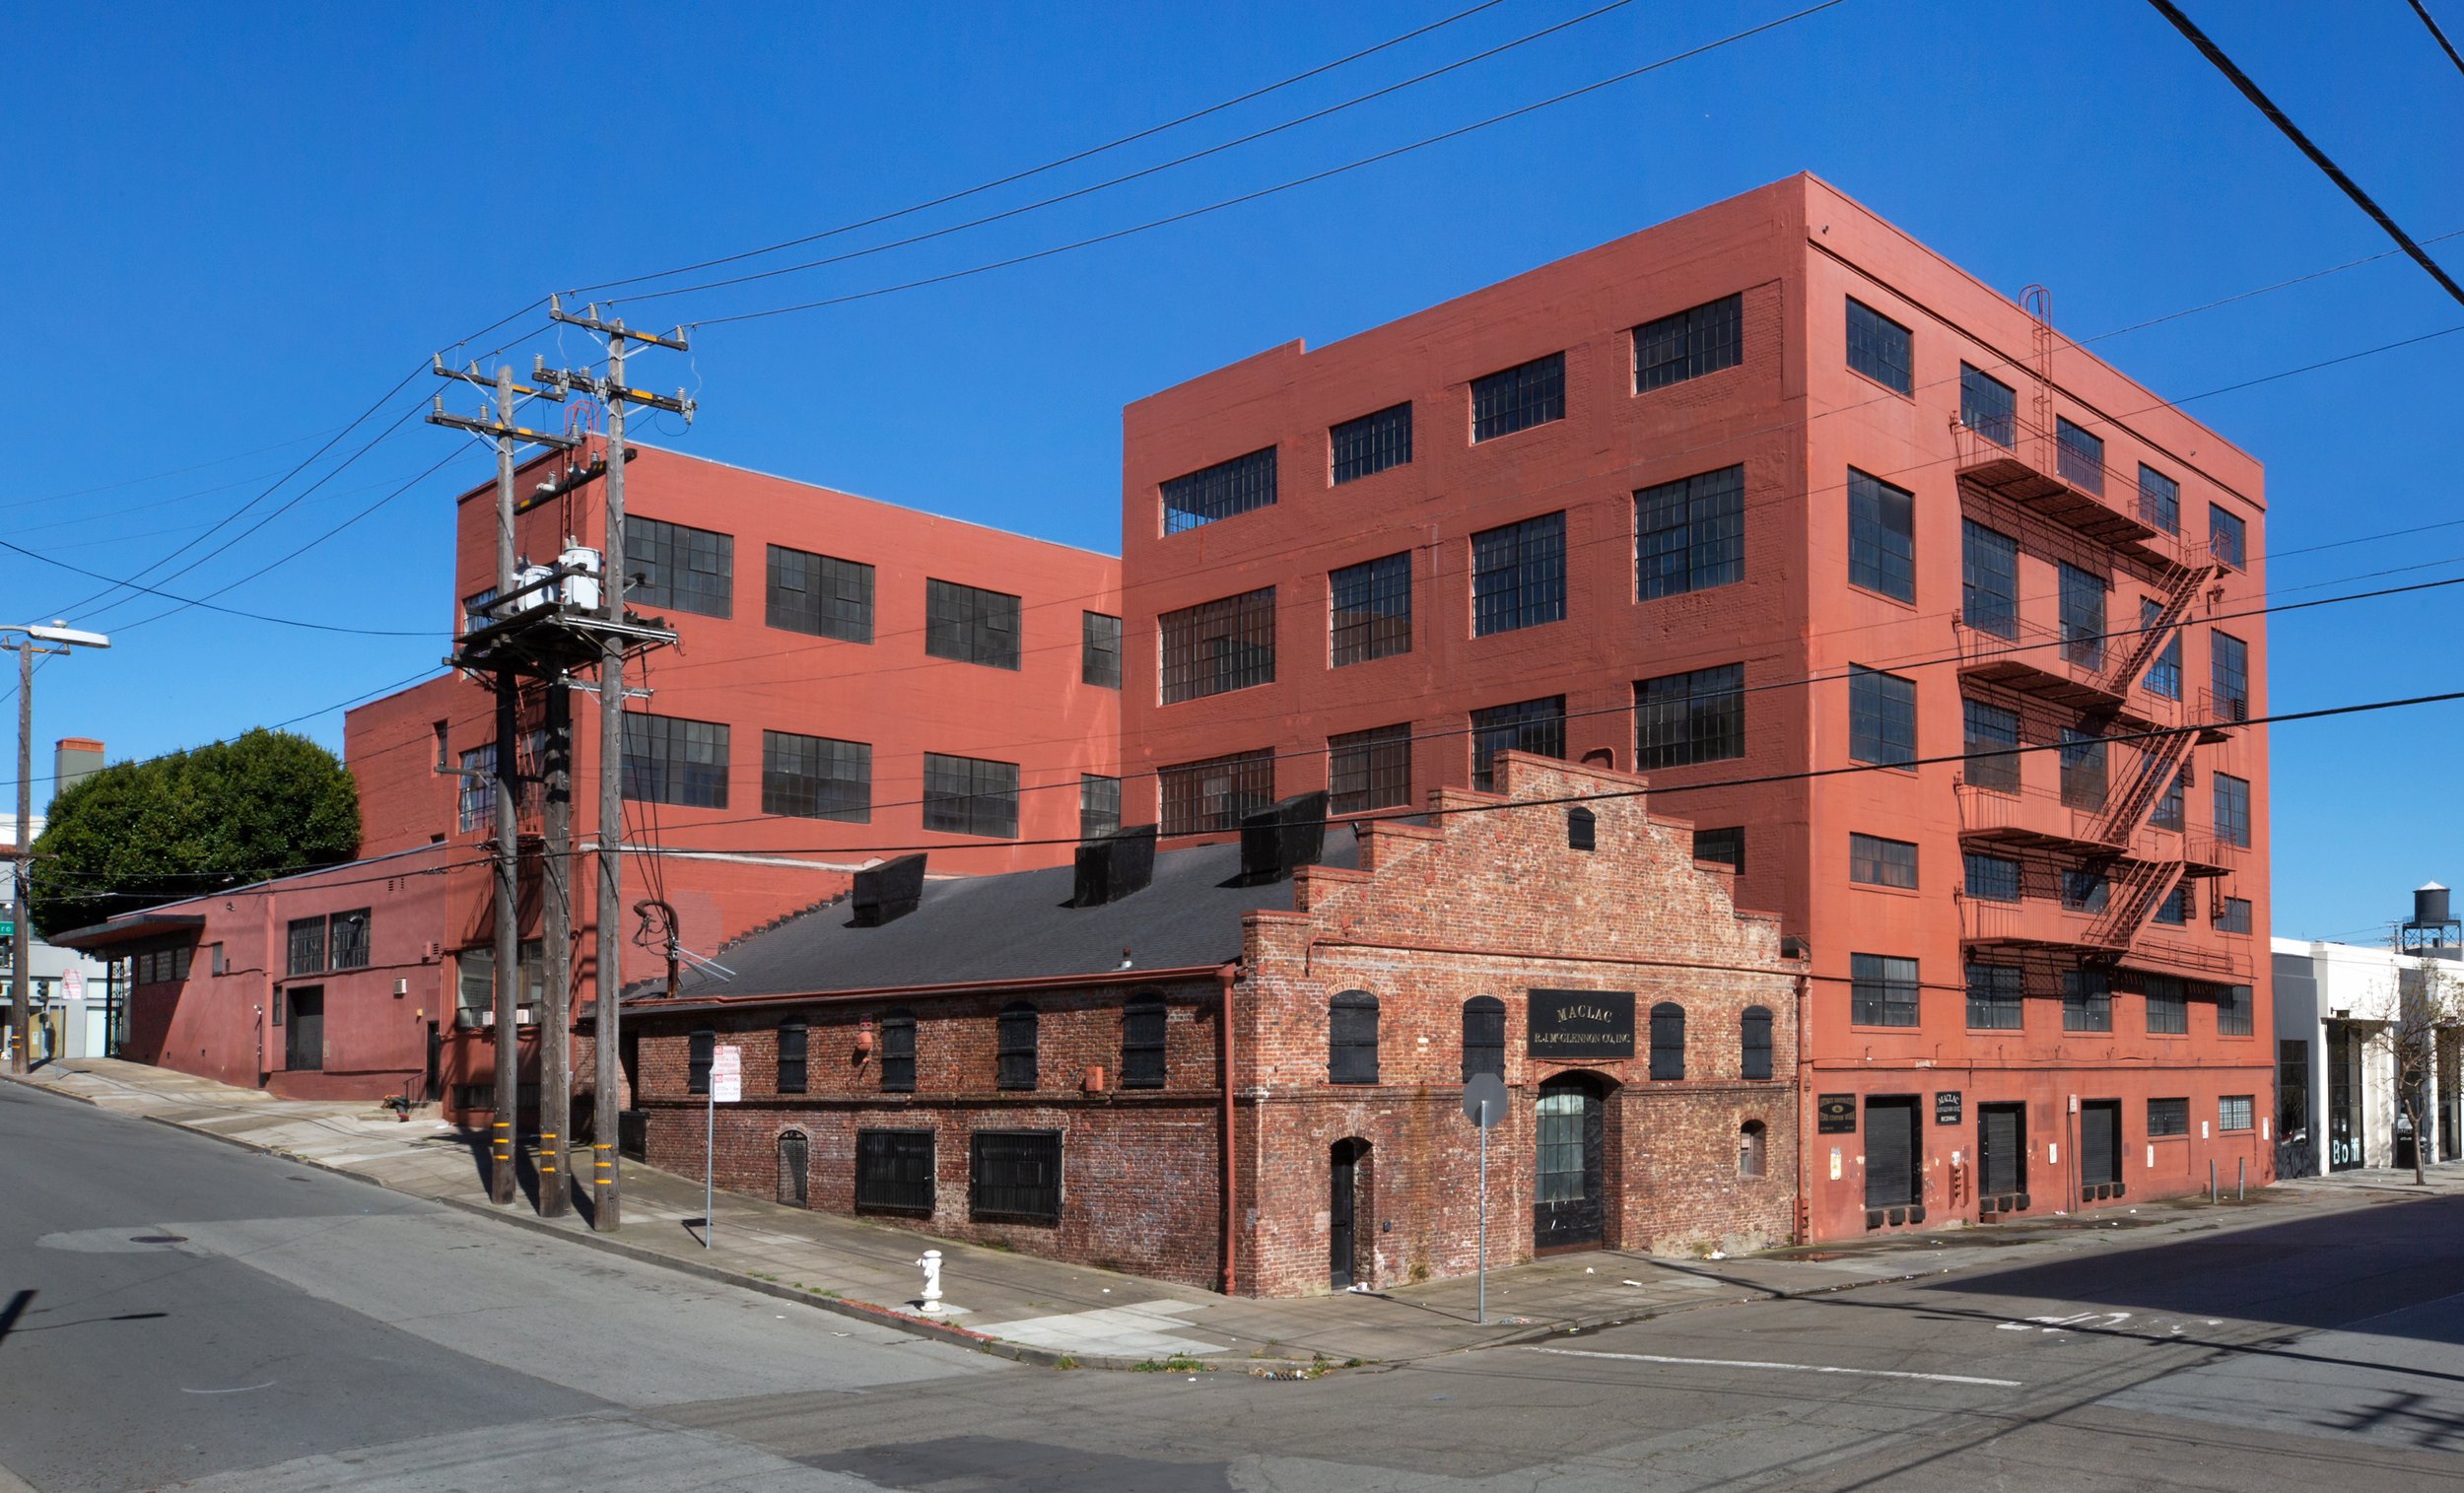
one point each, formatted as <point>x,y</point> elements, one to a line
<point>1891,1152</point>
<point>795,1157</point>
<point>1566,1201</point>
<point>1342,1214</point>
<point>2002,1155</point>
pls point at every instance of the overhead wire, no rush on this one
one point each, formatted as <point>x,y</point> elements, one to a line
<point>2437,35</point>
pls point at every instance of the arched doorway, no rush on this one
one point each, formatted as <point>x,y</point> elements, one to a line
<point>1348,1186</point>
<point>1569,1201</point>
<point>794,1163</point>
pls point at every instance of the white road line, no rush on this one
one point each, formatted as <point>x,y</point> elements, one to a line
<point>1798,1368</point>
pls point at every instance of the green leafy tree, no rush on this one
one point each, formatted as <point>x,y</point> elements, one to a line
<point>137,834</point>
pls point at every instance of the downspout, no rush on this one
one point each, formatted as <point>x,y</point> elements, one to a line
<point>1805,1204</point>
<point>1231,1200</point>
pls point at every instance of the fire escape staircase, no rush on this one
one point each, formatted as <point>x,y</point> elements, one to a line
<point>2181,594</point>
<point>2161,761</point>
<point>2136,891</point>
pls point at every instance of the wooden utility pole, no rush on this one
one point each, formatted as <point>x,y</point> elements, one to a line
<point>556,907</point>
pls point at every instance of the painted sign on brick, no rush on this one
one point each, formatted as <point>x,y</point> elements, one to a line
<point>1581,1025</point>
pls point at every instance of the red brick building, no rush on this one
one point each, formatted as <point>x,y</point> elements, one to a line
<point>1780,509</point>
<point>1004,1066</point>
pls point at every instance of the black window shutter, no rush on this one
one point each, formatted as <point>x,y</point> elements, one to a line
<point>1755,1034</point>
<point>1016,1047</point>
<point>1352,1038</point>
<point>1667,1041</point>
<point>1484,1037</point>
<point>791,1038</point>
<point>898,1053</point>
<point>1142,1043</point>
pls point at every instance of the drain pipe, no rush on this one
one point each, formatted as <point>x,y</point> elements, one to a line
<point>1231,1198</point>
<point>1805,1204</point>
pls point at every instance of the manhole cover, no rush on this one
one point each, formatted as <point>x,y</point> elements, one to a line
<point>158,1239</point>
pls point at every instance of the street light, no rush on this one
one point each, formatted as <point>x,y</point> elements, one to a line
<point>26,645</point>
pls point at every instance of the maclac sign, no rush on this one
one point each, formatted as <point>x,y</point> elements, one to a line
<point>1575,1026</point>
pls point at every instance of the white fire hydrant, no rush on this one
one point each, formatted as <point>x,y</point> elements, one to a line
<point>931,1265</point>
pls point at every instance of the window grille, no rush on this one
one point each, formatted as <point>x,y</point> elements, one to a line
<point>307,946</point>
<point>1371,444</point>
<point>1689,535</point>
<point>1537,727</point>
<point>347,940</point>
<point>816,778</point>
<point>1684,718</point>
<point>967,795</point>
<point>898,1053</point>
<point>971,625</point>
<point>1882,717</point>
<point>1667,1041</point>
<point>1484,1037</point>
<point>1689,344</point>
<point>1753,1039</point>
<point>1879,348</point>
<point>1352,1038</point>
<point>1014,1176</point>
<point>1370,610</point>
<point>1369,770</point>
<point>1992,878</point>
<point>1883,991</point>
<point>1994,998</point>
<point>1014,1046</point>
<point>894,1171</point>
<point>1881,536</point>
<point>1726,846</point>
<point>1219,491</point>
<point>1987,405</point>
<point>1990,729</point>
<point>2232,1011</point>
<point>1099,649</point>
<point>671,760</point>
<point>2078,456</point>
<point>2087,1001</point>
<point>1198,797</point>
<point>818,594</point>
<point>1520,397</point>
<point>2232,1111</point>
<point>680,569</point>
<point>1877,863</point>
<point>2167,1116</point>
<point>1217,646</point>
<point>1143,1024</point>
<point>1518,575</point>
<point>1099,805</point>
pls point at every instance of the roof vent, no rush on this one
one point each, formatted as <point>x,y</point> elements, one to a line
<point>1275,840</point>
<point>1112,866</point>
<point>888,892</point>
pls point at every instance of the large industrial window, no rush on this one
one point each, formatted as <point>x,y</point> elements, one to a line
<point>2082,616</point>
<point>1537,727</point>
<point>2167,813</point>
<point>2167,1116</point>
<point>1992,878</point>
<point>1142,1029</point>
<point>894,1171</point>
<point>2232,1011</point>
<point>1520,397</point>
<point>1879,348</point>
<point>1371,444</point>
<point>700,1045</point>
<point>1689,535</point>
<point>1518,575</point>
<point>1014,1176</point>
<point>967,795</point>
<point>2232,914</point>
<point>1877,863</point>
<point>1369,770</point>
<point>2160,501</point>
<point>1725,846</point>
<point>1882,717</point>
<point>1989,579</point>
<point>1352,1038</point>
<point>1690,343</point>
<point>2168,1006</point>
<point>1881,991</point>
<point>670,760</point>
<point>1219,491</point>
<point>2084,779</point>
<point>971,625</point>
<point>2085,888</point>
<point>346,944</point>
<point>1484,1037</point>
<point>793,1045</point>
<point>2164,670</point>
<point>1198,797</point>
<point>1994,1003</point>
<point>476,800</point>
<point>2226,533</point>
<point>1684,718</point>
<point>1881,536</point>
<point>307,946</point>
<point>898,1053</point>
<point>1099,805</point>
<point>1992,737</point>
<point>1217,646</point>
<point>2087,1001</point>
<point>1370,610</point>
<point>2175,908</point>
<point>1753,1043</point>
<point>2232,810</point>
<point>2229,675</point>
<point>819,594</point>
<point>816,778</point>
<point>682,570</point>
<point>1986,405</point>
<point>2078,456</point>
<point>1099,649</point>
<point>1014,1046</point>
<point>1667,1041</point>
<point>2234,1113</point>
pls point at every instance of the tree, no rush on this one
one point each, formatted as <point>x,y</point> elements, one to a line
<point>138,834</point>
<point>2429,1002</point>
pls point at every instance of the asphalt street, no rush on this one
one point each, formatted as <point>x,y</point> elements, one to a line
<point>174,1312</point>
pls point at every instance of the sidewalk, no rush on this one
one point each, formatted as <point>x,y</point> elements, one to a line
<point>1048,1311</point>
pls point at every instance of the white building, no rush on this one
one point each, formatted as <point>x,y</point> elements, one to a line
<point>72,1001</point>
<point>2336,1012</point>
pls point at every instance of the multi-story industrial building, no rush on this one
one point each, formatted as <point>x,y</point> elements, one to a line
<point>1942,631</point>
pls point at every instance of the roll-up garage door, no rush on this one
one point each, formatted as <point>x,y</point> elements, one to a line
<point>1889,1152</point>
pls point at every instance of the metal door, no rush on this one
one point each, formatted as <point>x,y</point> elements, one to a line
<point>2346,1140</point>
<point>2099,1142</point>
<point>1343,1196</point>
<point>795,1157</point>
<point>1566,1199</point>
<point>435,1053</point>
<point>1891,1152</point>
<point>304,1042</point>
<point>2000,1149</point>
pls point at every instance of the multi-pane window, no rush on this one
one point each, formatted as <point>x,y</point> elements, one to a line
<point>1099,649</point>
<point>1200,797</point>
<point>1879,348</point>
<point>1217,646</point>
<point>683,569</point>
<point>1369,770</point>
<point>2167,1116</point>
<point>1690,343</point>
<point>1099,805</point>
<point>1724,846</point>
<point>1992,878</point>
<point>2081,615</point>
<point>1014,1174</point>
<point>476,800</point>
<point>475,613</point>
<point>1754,1042</point>
<point>816,778</point>
<point>307,946</point>
<point>1352,1038</point>
<point>2077,455</point>
<point>1994,1003</point>
<point>1882,717</point>
<point>2229,675</point>
<point>794,1045</point>
<point>1518,575</point>
<point>2232,810</point>
<point>1371,444</point>
<point>346,942</point>
<point>1143,1024</point>
<point>1013,1047</point>
<point>2165,669</point>
<point>1877,863</point>
<point>671,760</point>
<point>1987,406</point>
<point>1520,397</point>
<point>2232,1011</point>
<point>2084,778</point>
<point>819,594</point>
<point>894,1171</point>
<point>2087,1001</point>
<point>898,1053</point>
<point>1369,612</point>
<point>1697,716</point>
<point>2159,500</point>
<point>1992,743</point>
<point>2226,534</point>
<point>1484,1037</point>
<point>2085,888</point>
<point>1219,491</point>
<point>970,623</point>
<point>1537,727</point>
<point>1881,536</point>
<point>967,795</point>
<point>1881,991</point>
<point>1989,579</point>
<point>1667,1041</point>
<point>2167,813</point>
<point>2232,914</point>
<point>1689,534</point>
<point>2168,1006</point>
<point>2232,1111</point>
<point>2175,908</point>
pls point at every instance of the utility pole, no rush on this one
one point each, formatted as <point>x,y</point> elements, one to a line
<point>21,892</point>
<point>606,1183</point>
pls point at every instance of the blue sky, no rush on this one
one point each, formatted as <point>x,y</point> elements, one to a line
<point>229,230</point>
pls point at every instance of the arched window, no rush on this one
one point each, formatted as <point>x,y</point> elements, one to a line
<point>791,1035</point>
<point>1753,1034</point>
<point>1581,829</point>
<point>898,1052</point>
<point>1484,1037</point>
<point>1352,1038</point>
<point>1667,1041</point>
<point>794,1163</point>
<point>1016,1047</point>
<point>1753,1141</point>
<point>698,1045</point>
<point>1142,1041</point>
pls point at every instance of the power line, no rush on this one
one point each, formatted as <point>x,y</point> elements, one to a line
<point>289,622</point>
<point>2444,44</point>
<point>2293,133</point>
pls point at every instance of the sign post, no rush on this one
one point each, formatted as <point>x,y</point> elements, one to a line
<point>726,1086</point>
<point>1484,1105</point>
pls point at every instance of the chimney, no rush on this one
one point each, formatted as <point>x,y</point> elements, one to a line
<point>74,759</point>
<point>888,892</point>
<point>1112,866</point>
<point>1275,840</point>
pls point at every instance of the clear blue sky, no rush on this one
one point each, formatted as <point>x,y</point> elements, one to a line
<point>231,228</point>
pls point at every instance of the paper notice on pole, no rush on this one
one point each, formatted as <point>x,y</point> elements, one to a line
<point>726,1075</point>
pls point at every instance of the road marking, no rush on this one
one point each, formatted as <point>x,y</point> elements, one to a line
<point>1798,1367</point>
<point>240,1390</point>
